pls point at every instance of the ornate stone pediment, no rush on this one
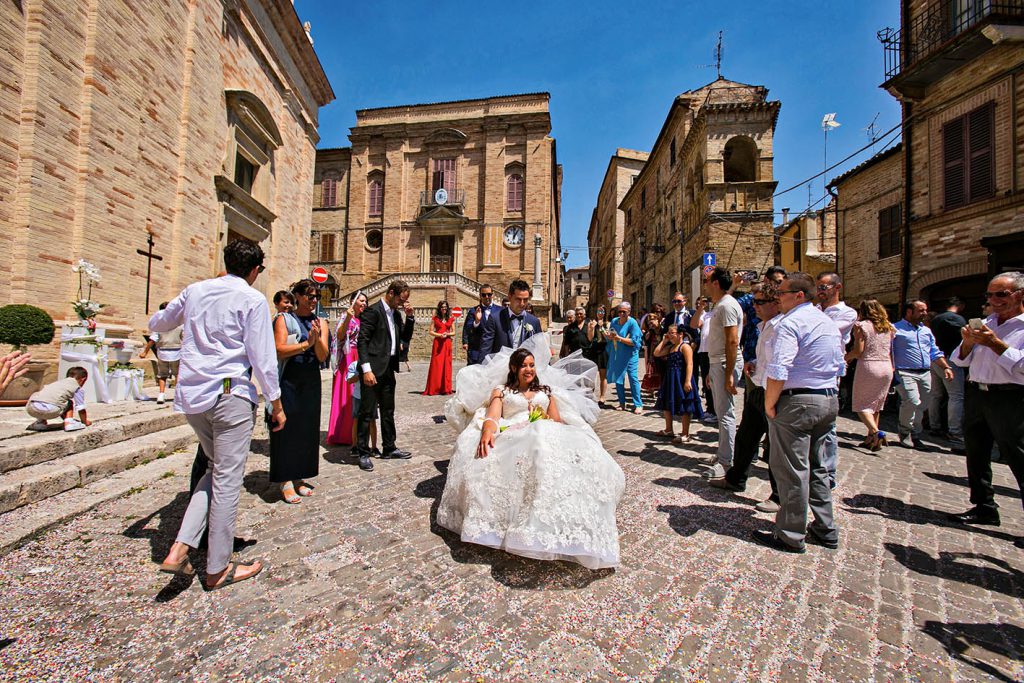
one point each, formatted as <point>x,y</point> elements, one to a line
<point>445,136</point>
<point>441,216</point>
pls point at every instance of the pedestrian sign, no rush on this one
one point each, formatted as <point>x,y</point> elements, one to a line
<point>710,259</point>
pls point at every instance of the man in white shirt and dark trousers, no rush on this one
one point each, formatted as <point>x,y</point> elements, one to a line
<point>830,300</point>
<point>226,333</point>
<point>721,339</point>
<point>994,396</point>
<point>801,402</point>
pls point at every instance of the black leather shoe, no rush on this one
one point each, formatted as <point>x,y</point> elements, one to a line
<point>397,454</point>
<point>815,539</point>
<point>921,446</point>
<point>723,483</point>
<point>375,452</point>
<point>975,516</point>
<point>767,538</point>
<point>365,464</point>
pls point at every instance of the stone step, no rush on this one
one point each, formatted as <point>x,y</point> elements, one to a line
<point>33,448</point>
<point>37,482</point>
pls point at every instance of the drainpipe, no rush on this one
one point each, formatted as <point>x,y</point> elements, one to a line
<point>908,173</point>
<point>835,199</point>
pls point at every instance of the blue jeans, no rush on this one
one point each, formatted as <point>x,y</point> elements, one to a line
<point>634,385</point>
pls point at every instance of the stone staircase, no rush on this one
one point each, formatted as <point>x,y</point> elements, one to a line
<point>35,466</point>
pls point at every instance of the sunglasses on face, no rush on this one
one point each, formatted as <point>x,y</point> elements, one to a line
<point>825,288</point>
<point>762,302</point>
<point>1002,294</point>
<point>679,301</point>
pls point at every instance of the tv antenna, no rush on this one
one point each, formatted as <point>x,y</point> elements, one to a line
<point>718,53</point>
<point>871,130</point>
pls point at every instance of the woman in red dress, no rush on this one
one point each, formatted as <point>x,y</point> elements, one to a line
<point>439,377</point>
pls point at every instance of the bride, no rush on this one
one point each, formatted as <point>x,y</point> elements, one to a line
<point>528,474</point>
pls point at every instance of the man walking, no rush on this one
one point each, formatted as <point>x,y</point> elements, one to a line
<point>721,340</point>
<point>227,333</point>
<point>754,424</point>
<point>801,402</point>
<point>830,300</point>
<point>473,328</point>
<point>994,401</point>
<point>381,336</point>
<point>913,352</point>
<point>946,327</point>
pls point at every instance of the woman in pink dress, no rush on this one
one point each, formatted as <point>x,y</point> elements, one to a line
<point>341,430</point>
<point>872,347</point>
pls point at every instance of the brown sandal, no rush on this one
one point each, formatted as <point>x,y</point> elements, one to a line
<point>184,567</point>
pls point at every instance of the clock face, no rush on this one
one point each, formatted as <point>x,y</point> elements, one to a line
<point>514,235</point>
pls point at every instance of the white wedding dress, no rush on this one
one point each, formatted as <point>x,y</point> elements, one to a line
<point>547,490</point>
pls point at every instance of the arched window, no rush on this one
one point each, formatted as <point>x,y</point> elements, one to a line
<point>329,190</point>
<point>375,198</point>
<point>741,157</point>
<point>514,193</point>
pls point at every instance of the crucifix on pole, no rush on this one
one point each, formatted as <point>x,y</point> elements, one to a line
<point>150,256</point>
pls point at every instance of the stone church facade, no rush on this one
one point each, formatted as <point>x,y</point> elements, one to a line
<point>191,122</point>
<point>706,187</point>
<point>447,196</point>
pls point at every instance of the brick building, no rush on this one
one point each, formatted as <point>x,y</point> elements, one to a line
<point>956,68</point>
<point>706,187</point>
<point>191,122</point>
<point>576,291</point>
<point>808,242</point>
<point>447,196</point>
<point>869,208</point>
<point>608,226</point>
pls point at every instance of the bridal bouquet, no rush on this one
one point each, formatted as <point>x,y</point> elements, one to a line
<point>535,415</point>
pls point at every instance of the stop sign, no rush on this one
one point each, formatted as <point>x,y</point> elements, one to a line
<point>319,275</point>
<point>457,312</point>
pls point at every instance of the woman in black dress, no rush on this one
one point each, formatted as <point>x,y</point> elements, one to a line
<point>596,331</point>
<point>302,345</point>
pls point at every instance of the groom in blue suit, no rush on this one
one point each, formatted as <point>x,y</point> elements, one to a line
<point>513,325</point>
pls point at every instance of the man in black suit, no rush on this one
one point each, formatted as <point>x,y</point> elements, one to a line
<point>513,325</point>
<point>473,328</point>
<point>381,335</point>
<point>679,315</point>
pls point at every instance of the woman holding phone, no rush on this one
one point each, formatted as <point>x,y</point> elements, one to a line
<point>341,429</point>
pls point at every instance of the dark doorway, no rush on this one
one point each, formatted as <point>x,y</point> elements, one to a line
<point>442,253</point>
<point>1005,253</point>
<point>970,289</point>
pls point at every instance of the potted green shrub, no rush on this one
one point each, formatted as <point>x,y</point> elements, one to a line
<point>22,325</point>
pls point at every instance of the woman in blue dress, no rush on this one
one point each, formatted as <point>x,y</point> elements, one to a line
<point>678,394</point>
<point>624,357</point>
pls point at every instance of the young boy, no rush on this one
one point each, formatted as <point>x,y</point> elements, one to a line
<point>168,355</point>
<point>352,376</point>
<point>61,399</point>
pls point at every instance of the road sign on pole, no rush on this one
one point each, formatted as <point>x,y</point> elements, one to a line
<point>457,312</point>
<point>319,275</point>
<point>710,259</point>
<point>611,293</point>
<point>708,270</point>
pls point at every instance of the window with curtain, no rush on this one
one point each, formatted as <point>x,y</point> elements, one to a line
<point>375,200</point>
<point>514,193</point>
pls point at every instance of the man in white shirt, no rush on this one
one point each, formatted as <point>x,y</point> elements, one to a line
<point>227,337</point>
<point>721,340</point>
<point>994,396</point>
<point>830,295</point>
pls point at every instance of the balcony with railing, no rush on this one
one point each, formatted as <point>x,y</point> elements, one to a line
<point>455,199</point>
<point>942,38</point>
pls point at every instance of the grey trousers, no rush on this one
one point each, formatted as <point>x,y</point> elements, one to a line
<point>914,389</point>
<point>954,390</point>
<point>725,409</point>
<point>224,432</point>
<point>797,460</point>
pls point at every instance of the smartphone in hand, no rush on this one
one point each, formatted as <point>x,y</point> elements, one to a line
<point>975,323</point>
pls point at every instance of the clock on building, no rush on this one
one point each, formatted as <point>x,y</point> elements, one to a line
<point>514,235</point>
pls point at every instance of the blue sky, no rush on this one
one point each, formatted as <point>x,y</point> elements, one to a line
<point>612,69</point>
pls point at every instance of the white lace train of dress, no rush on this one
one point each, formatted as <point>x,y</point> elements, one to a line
<point>547,490</point>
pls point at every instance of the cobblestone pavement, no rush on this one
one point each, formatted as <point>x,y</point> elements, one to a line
<point>362,586</point>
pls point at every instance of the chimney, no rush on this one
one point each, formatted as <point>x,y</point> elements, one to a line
<point>785,217</point>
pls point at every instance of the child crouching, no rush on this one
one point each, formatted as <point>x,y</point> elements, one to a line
<point>61,399</point>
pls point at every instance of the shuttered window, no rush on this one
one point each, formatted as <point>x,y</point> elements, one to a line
<point>890,220</point>
<point>329,188</point>
<point>327,247</point>
<point>444,175</point>
<point>375,200</point>
<point>514,195</point>
<point>968,157</point>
